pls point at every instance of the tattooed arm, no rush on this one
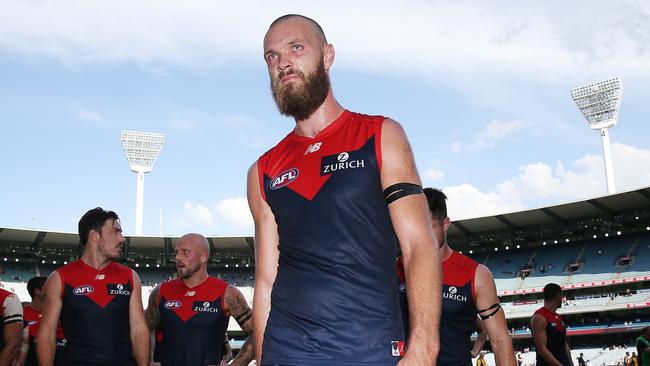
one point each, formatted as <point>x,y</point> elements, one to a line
<point>237,307</point>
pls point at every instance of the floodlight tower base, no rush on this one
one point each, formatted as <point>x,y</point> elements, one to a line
<point>607,157</point>
<point>139,203</point>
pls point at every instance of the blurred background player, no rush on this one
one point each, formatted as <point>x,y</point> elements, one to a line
<point>643,347</point>
<point>469,299</point>
<point>192,312</point>
<point>12,327</point>
<point>97,300</point>
<point>31,316</point>
<point>549,332</point>
<point>329,203</point>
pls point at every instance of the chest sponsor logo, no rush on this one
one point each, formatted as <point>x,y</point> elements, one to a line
<point>118,289</point>
<point>100,277</point>
<point>342,161</point>
<point>204,307</point>
<point>190,293</point>
<point>172,304</point>
<point>83,290</point>
<point>284,178</point>
<point>313,148</point>
<point>452,294</point>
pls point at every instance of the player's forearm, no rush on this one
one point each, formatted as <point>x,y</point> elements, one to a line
<point>45,347</point>
<point>246,353</point>
<point>422,268</point>
<point>479,343</point>
<point>141,343</point>
<point>261,309</point>
<point>504,354</point>
<point>9,353</point>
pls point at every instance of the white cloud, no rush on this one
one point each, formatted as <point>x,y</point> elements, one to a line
<point>495,131</point>
<point>229,216</point>
<point>234,213</point>
<point>433,175</point>
<point>89,116</point>
<point>463,41</point>
<point>539,184</point>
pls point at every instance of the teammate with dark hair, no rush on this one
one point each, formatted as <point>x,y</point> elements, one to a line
<point>330,203</point>
<point>469,299</point>
<point>31,316</point>
<point>97,300</point>
<point>190,314</point>
<point>549,333</point>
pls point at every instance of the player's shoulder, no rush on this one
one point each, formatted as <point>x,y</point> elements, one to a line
<point>459,259</point>
<point>217,282</point>
<point>121,268</point>
<point>72,267</point>
<point>368,118</point>
<point>280,146</point>
<point>4,294</point>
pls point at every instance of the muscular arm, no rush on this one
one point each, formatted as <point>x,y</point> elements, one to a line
<point>139,333</point>
<point>238,308</point>
<point>12,324</point>
<point>51,310</point>
<point>481,337</point>
<point>412,224</point>
<point>495,325</point>
<point>152,314</point>
<point>266,258</point>
<point>538,328</point>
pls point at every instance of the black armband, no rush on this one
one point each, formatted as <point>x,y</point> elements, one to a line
<point>400,190</point>
<point>242,319</point>
<point>492,311</point>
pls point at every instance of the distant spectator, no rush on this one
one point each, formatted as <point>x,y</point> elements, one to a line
<point>581,360</point>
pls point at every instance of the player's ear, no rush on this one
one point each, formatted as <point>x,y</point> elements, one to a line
<point>446,223</point>
<point>328,56</point>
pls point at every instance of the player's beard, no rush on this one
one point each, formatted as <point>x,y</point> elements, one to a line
<point>189,271</point>
<point>300,101</point>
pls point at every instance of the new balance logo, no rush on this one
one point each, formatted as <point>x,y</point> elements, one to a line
<point>313,148</point>
<point>100,277</point>
<point>190,293</point>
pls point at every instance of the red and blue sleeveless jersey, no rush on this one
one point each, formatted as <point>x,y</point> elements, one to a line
<point>193,323</point>
<point>458,318</point>
<point>334,300</point>
<point>555,337</point>
<point>95,314</point>
<point>32,321</point>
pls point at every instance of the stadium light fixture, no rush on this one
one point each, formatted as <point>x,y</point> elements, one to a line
<point>141,149</point>
<point>600,103</point>
<point>471,251</point>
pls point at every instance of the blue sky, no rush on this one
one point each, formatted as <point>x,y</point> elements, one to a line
<point>482,89</point>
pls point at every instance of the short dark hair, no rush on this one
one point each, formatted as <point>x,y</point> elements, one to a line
<point>94,220</point>
<point>437,205</point>
<point>35,283</point>
<point>317,27</point>
<point>551,291</point>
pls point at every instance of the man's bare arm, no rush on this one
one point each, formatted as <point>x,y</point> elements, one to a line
<point>495,319</point>
<point>152,314</point>
<point>481,337</point>
<point>538,327</point>
<point>51,310</point>
<point>412,224</point>
<point>12,324</point>
<point>266,258</point>
<point>246,353</point>
<point>140,341</point>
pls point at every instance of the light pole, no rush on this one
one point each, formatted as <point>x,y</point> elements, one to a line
<point>600,103</point>
<point>141,149</point>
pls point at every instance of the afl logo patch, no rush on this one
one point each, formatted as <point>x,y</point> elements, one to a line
<point>83,290</point>
<point>172,304</point>
<point>284,178</point>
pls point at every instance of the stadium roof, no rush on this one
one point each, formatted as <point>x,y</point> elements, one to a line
<point>461,230</point>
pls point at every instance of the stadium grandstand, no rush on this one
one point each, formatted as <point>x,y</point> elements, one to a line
<point>598,250</point>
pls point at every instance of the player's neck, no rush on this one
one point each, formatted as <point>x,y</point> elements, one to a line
<point>322,117</point>
<point>95,260</point>
<point>36,305</point>
<point>445,252</point>
<point>197,279</point>
<point>550,306</point>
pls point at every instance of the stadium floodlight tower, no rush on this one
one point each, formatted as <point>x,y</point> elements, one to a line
<point>141,149</point>
<point>600,103</point>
